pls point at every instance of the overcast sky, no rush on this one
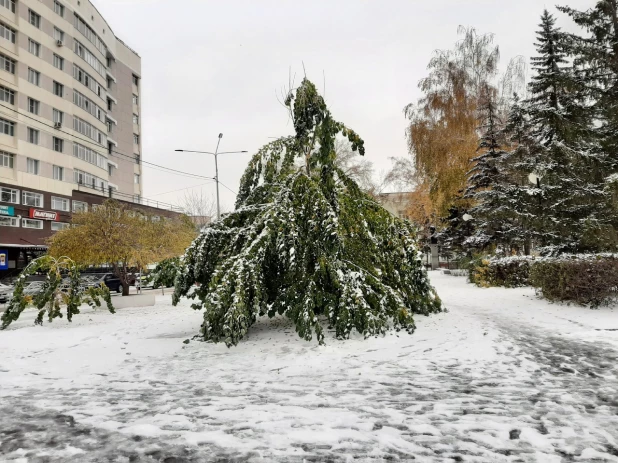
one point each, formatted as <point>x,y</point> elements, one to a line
<point>218,66</point>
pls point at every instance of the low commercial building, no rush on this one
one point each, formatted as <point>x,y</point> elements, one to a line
<point>26,225</point>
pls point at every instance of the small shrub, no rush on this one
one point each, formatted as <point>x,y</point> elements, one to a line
<point>583,279</point>
<point>510,272</point>
<point>478,271</point>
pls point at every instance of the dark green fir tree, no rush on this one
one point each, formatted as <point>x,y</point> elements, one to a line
<point>306,243</point>
<point>485,181</point>
<point>564,159</point>
<point>595,58</point>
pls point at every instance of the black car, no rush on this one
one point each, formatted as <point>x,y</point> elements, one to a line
<point>108,279</point>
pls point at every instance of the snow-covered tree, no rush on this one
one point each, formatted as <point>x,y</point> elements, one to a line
<point>485,180</point>
<point>517,205</point>
<point>595,58</point>
<point>564,158</point>
<point>596,63</point>
<point>306,242</point>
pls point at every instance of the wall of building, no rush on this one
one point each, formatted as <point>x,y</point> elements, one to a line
<point>119,65</point>
<point>67,62</point>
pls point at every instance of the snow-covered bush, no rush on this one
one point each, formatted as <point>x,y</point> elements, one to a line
<point>510,272</point>
<point>62,287</point>
<point>306,242</point>
<point>583,279</point>
<point>580,278</point>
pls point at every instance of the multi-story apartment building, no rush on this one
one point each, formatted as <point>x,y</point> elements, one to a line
<point>69,119</point>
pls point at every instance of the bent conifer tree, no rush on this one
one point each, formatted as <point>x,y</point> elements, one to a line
<point>307,243</point>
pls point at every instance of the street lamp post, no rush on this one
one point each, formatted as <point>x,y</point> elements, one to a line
<point>216,178</point>
<point>217,175</point>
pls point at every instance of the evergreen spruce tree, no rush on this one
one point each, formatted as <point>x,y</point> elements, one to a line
<point>595,58</point>
<point>564,159</point>
<point>485,181</point>
<point>519,201</point>
<point>306,243</point>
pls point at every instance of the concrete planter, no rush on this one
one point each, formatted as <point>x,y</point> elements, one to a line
<point>134,300</point>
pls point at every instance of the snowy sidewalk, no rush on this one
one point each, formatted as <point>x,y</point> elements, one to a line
<point>501,377</point>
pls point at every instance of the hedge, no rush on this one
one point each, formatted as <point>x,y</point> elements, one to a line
<point>580,278</point>
<point>590,279</point>
<point>510,272</point>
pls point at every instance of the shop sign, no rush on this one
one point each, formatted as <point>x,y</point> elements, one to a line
<point>4,259</point>
<point>7,210</point>
<point>43,215</point>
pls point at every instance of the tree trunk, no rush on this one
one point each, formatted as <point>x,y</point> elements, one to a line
<point>122,275</point>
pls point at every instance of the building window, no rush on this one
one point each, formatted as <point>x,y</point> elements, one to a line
<point>57,226</point>
<point>7,64</point>
<point>7,33</point>
<point>34,77</point>
<point>109,104</point>
<point>58,89</point>
<point>58,117</point>
<point>109,169</point>
<point>109,126</point>
<point>9,4</point>
<point>31,199</point>
<point>87,56</point>
<point>80,206</point>
<point>135,100</point>
<point>32,166</point>
<point>58,34</point>
<point>59,8</point>
<point>7,95</point>
<point>60,204</point>
<point>89,33</point>
<point>136,139</point>
<point>136,179</point>
<point>59,173</point>
<point>135,119</point>
<point>58,144</point>
<point>135,80</point>
<point>89,180</point>
<point>7,159</point>
<point>34,19</point>
<point>83,77</point>
<point>9,195</point>
<point>109,83</point>
<point>31,223</point>
<point>58,62</point>
<point>33,137</point>
<point>89,130</point>
<point>7,127</point>
<point>9,222</point>
<point>88,155</point>
<point>87,105</point>
<point>34,47</point>
<point>33,106</point>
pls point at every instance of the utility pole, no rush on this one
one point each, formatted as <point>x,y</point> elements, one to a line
<point>216,177</point>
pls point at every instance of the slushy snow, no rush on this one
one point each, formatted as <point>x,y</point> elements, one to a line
<point>501,377</point>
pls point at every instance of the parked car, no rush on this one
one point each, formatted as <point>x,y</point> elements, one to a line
<point>33,288</point>
<point>108,279</point>
<point>6,293</point>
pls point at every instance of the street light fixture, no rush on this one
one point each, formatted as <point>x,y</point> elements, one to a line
<point>216,153</point>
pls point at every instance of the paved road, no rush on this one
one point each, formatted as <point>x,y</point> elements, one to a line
<point>485,382</point>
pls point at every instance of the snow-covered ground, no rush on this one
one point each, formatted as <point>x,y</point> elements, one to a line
<point>501,377</point>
